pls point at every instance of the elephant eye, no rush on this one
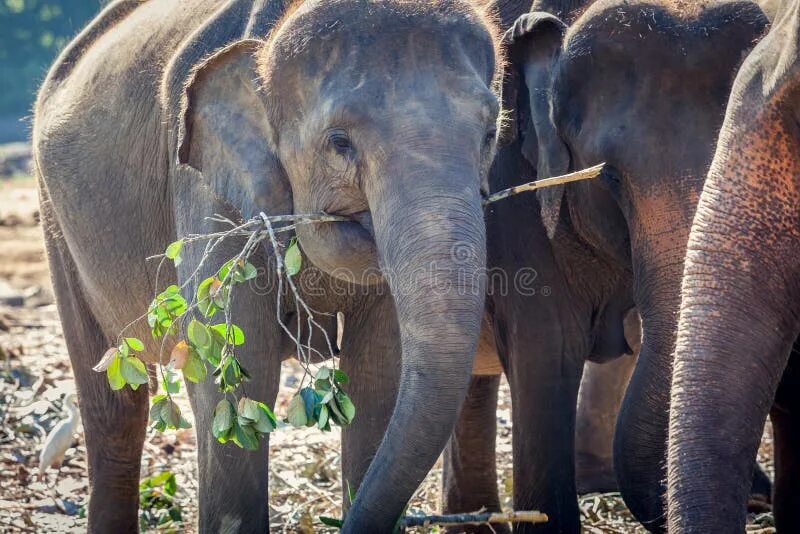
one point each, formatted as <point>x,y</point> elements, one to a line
<point>340,142</point>
<point>490,136</point>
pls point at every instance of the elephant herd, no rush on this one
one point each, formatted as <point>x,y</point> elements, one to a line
<point>402,115</point>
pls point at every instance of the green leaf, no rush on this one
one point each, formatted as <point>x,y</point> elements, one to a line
<point>171,415</point>
<point>234,336</point>
<point>225,269</point>
<point>248,411</point>
<point>296,414</point>
<point>323,374</point>
<point>115,378</point>
<point>164,309</point>
<point>173,251</point>
<point>195,369</point>
<point>266,419</point>
<point>133,371</point>
<point>248,272</point>
<point>322,386</point>
<point>198,334</point>
<point>245,436</point>
<point>310,400</point>
<point>346,406</point>
<point>340,377</point>
<point>169,383</point>
<point>224,415</point>
<point>212,354</point>
<point>230,374</point>
<point>155,408</point>
<point>204,301</point>
<point>135,344</point>
<point>322,419</point>
<point>331,521</point>
<point>293,258</point>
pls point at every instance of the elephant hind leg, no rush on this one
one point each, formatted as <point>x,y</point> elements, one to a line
<point>114,422</point>
<point>470,470</point>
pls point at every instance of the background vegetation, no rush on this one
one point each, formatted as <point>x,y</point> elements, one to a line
<point>32,32</point>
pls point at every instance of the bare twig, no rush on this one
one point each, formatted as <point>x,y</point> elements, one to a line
<point>485,518</point>
<point>585,174</point>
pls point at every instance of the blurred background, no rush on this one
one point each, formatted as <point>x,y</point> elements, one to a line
<point>31,34</point>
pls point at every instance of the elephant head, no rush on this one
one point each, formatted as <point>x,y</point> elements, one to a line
<point>383,112</point>
<point>739,302</point>
<point>642,87</point>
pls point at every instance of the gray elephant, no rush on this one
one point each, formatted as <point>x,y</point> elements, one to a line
<point>641,86</point>
<point>736,355</point>
<point>159,114</point>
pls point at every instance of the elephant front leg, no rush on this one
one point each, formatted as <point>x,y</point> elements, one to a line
<point>470,468</point>
<point>544,389</point>
<point>233,493</point>
<point>232,481</point>
<point>371,357</point>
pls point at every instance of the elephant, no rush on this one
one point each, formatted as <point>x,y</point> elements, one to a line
<point>736,355</point>
<point>542,330</point>
<point>642,86</point>
<point>160,114</point>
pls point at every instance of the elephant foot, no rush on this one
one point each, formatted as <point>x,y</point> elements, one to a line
<point>594,475</point>
<point>760,500</point>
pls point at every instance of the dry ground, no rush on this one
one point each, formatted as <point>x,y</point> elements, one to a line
<point>304,471</point>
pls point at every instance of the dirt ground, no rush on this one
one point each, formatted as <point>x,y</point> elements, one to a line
<point>36,375</point>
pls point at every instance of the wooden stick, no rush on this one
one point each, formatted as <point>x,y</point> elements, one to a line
<point>585,174</point>
<point>475,519</point>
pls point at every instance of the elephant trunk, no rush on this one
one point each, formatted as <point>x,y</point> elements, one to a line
<point>738,318</point>
<point>641,433</point>
<point>430,235</point>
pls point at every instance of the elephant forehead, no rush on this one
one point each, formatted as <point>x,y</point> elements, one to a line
<point>388,36</point>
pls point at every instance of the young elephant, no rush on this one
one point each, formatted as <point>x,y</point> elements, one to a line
<point>160,114</point>
<point>740,303</point>
<point>641,86</point>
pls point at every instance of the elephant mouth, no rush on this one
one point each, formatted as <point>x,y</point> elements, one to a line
<point>358,230</point>
<point>364,219</point>
<point>346,250</point>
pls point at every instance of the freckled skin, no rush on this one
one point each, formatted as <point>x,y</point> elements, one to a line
<point>641,86</point>
<point>736,350</point>
<point>231,107</point>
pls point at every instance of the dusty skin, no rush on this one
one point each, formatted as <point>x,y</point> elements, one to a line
<point>304,475</point>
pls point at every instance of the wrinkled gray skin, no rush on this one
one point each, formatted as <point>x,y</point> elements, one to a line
<point>624,78</point>
<point>157,116</point>
<point>739,313</point>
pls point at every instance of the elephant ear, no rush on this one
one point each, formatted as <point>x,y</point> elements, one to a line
<point>534,46</point>
<point>224,133</point>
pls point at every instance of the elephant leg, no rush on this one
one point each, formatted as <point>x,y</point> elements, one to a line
<point>233,492</point>
<point>371,357</point>
<point>785,416</point>
<point>544,389</point>
<point>470,469</point>
<point>601,392</point>
<point>114,421</point>
<point>232,482</point>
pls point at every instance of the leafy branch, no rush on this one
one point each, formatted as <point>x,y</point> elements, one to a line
<point>238,419</point>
